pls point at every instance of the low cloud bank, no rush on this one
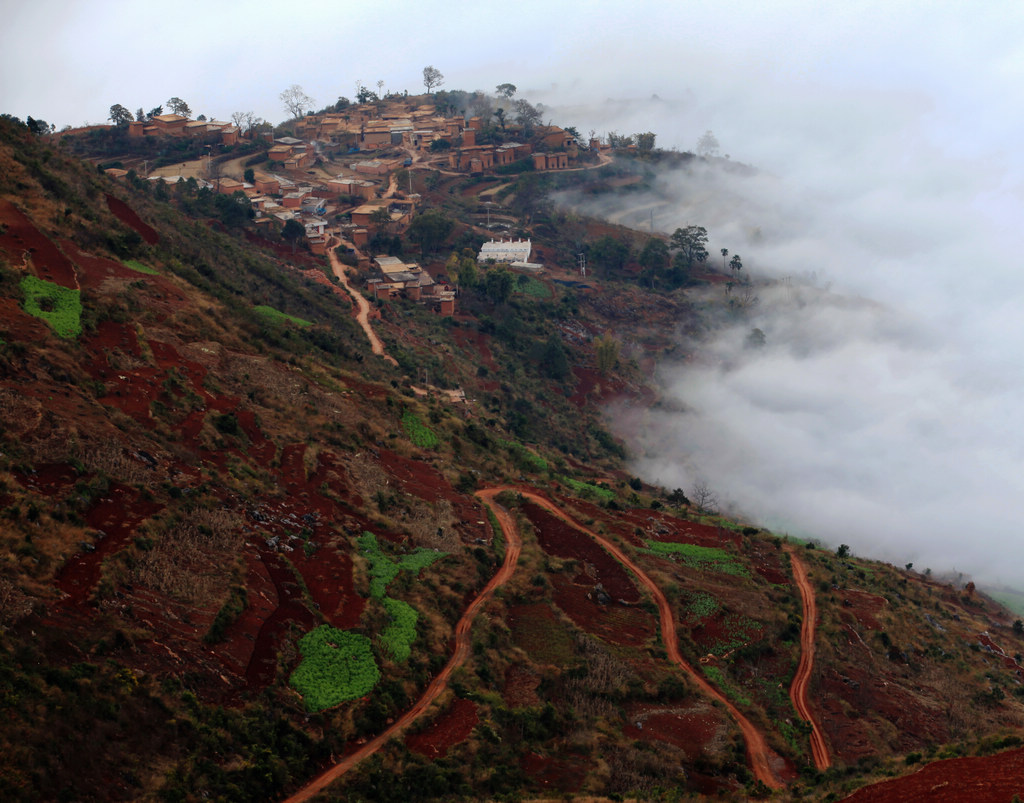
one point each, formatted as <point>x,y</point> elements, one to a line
<point>882,410</point>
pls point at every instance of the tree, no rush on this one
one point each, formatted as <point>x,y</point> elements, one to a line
<point>467,273</point>
<point>736,263</point>
<point>725,253</point>
<point>654,255</point>
<point>707,145</point>
<point>430,230</point>
<point>246,121</point>
<point>704,498</point>
<point>178,106</point>
<point>843,551</point>
<point>432,77</point>
<point>296,101</point>
<point>140,115</point>
<point>500,114</point>
<point>691,242</point>
<point>528,115</point>
<point>606,352</point>
<point>381,218</point>
<point>645,141</point>
<point>506,90</point>
<point>156,111</point>
<point>249,176</point>
<point>499,284</point>
<point>119,115</point>
<point>292,232</point>
<point>609,252</point>
<point>554,362</point>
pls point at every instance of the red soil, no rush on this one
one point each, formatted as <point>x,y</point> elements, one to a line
<point>690,727</point>
<point>556,537</point>
<point>448,730</point>
<point>565,774</point>
<point>23,244</point>
<point>629,626</point>
<point>521,687</point>
<point>983,779</point>
<point>116,515</point>
<point>127,215</point>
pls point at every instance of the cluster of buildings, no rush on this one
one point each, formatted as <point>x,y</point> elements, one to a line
<point>391,277</point>
<point>175,125</point>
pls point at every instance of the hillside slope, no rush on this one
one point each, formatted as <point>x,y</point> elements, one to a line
<point>237,544</point>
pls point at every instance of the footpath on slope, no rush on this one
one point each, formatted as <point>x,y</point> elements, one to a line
<point>362,305</point>
<point>513,546</point>
<point>759,754</point>
<point>802,678</point>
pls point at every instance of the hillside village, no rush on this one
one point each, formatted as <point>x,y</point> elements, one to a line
<point>342,176</point>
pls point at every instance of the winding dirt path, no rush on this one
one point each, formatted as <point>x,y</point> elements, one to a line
<point>513,546</point>
<point>802,678</point>
<point>759,754</point>
<point>362,305</point>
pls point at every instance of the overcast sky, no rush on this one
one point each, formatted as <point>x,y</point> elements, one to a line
<point>883,411</point>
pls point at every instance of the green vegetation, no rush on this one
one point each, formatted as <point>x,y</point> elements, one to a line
<point>336,666</point>
<point>717,676</point>
<point>701,606</point>
<point>229,612</point>
<point>401,633</point>
<point>523,457</point>
<point>705,558</point>
<point>419,434</point>
<point>383,570</point>
<point>532,287</point>
<point>280,317</point>
<point>586,488</point>
<point>60,307</point>
<point>135,265</point>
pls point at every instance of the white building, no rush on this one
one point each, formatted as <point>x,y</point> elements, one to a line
<point>506,251</point>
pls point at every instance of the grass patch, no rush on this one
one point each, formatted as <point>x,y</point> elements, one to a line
<point>401,633</point>
<point>717,676</point>
<point>419,434</point>
<point>60,307</point>
<point>705,558</point>
<point>523,457</point>
<point>533,288</point>
<point>585,489</point>
<point>279,317</point>
<point>135,265</point>
<point>336,666</point>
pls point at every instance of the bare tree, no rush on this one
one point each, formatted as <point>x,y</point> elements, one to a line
<point>432,77</point>
<point>296,101</point>
<point>246,121</point>
<point>704,499</point>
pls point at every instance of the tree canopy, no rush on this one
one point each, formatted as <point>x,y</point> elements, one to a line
<point>296,101</point>
<point>430,230</point>
<point>506,90</point>
<point>432,77</point>
<point>178,106</point>
<point>119,115</point>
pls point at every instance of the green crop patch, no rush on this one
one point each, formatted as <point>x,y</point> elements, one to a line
<point>383,569</point>
<point>401,633</point>
<point>705,558</point>
<point>585,488</point>
<point>280,317</point>
<point>60,307</point>
<point>524,457</point>
<point>419,434</point>
<point>336,666</point>
<point>135,265</point>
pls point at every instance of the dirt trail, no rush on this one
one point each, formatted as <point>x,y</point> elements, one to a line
<point>513,545</point>
<point>758,753</point>
<point>802,678</point>
<point>362,306</point>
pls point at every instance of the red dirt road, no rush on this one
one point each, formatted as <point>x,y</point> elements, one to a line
<point>758,753</point>
<point>513,545</point>
<point>802,678</point>
<point>362,305</point>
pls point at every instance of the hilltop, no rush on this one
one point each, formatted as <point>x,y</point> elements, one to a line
<point>240,545</point>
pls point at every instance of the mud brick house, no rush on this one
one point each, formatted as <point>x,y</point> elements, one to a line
<point>550,161</point>
<point>171,125</point>
<point>267,185</point>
